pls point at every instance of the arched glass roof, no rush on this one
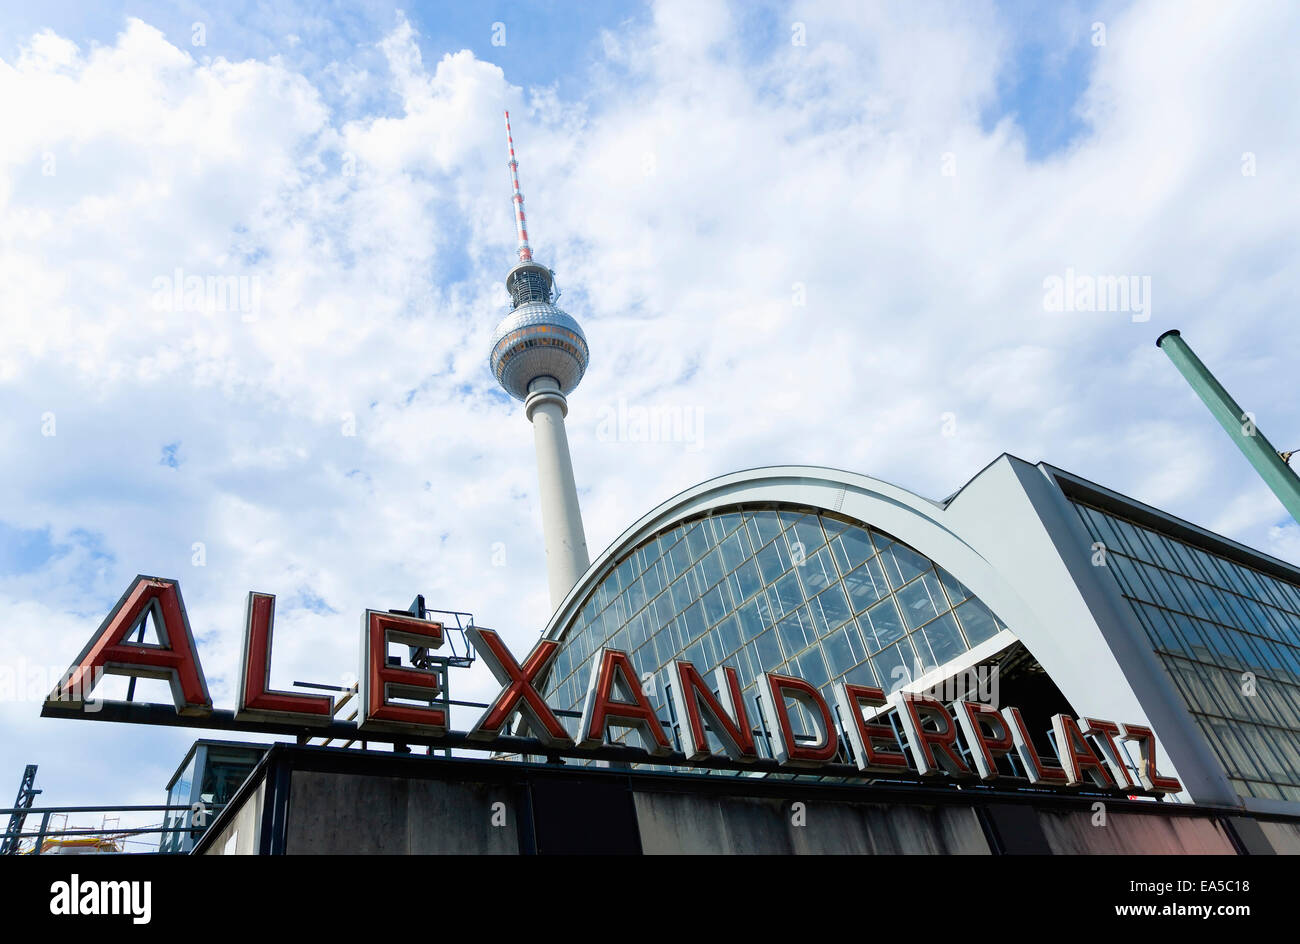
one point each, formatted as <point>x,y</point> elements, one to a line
<point>771,589</point>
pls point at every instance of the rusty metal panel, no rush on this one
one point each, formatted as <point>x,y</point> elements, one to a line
<point>1134,834</point>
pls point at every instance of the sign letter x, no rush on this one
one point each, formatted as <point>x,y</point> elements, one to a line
<point>517,691</point>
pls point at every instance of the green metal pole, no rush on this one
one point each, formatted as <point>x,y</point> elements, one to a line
<point>1240,428</point>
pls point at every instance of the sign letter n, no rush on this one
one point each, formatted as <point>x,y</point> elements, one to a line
<point>110,650</point>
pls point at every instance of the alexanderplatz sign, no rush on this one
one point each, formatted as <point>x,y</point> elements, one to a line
<point>409,704</point>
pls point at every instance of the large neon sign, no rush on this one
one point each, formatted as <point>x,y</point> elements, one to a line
<point>404,701</point>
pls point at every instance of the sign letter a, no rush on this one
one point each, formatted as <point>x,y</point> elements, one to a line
<point>111,650</point>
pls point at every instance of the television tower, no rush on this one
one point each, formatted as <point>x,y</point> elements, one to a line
<point>539,355</point>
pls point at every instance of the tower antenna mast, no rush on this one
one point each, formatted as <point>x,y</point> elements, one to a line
<point>521,221</point>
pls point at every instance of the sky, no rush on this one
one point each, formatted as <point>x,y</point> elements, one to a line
<point>819,233</point>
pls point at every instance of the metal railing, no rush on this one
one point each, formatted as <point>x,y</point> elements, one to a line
<point>46,840</point>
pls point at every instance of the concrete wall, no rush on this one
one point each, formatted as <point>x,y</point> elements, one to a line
<point>332,801</point>
<point>351,813</point>
<point>244,829</point>
<point>1283,837</point>
<point>675,823</point>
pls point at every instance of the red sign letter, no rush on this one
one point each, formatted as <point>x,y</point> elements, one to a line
<point>518,692</point>
<point>1152,779</point>
<point>1039,770</point>
<point>256,697</point>
<point>861,735</point>
<point>1077,758</point>
<point>381,682</point>
<point>110,650</point>
<point>602,709</point>
<point>1103,735</point>
<point>932,750</point>
<point>986,734</point>
<point>694,700</point>
<point>787,750</point>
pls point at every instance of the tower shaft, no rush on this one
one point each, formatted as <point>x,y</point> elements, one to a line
<point>566,543</point>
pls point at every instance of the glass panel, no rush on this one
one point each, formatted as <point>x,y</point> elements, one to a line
<point>812,667</point>
<point>725,524</point>
<point>751,623</point>
<point>733,551</point>
<point>710,569</point>
<point>653,581</point>
<point>955,588</point>
<point>795,632</point>
<point>863,674</point>
<point>925,660</point>
<point>945,638</point>
<point>843,649</point>
<point>922,600</point>
<point>698,541</point>
<point>729,635</point>
<point>894,666</point>
<point>769,650</point>
<point>977,621</point>
<point>909,562</point>
<point>678,559</point>
<point>886,626</point>
<point>764,526</point>
<point>226,770</point>
<point>746,581</point>
<point>851,548</point>
<point>829,609</point>
<point>773,561</point>
<point>787,596</point>
<point>807,532</point>
<point>866,585</point>
<point>716,605</point>
<point>693,618</point>
<point>817,572</point>
<point>679,595</point>
<point>636,597</point>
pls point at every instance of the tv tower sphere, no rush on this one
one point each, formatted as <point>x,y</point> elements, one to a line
<point>536,339</point>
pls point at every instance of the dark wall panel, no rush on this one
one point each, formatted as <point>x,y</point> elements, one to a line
<point>674,823</point>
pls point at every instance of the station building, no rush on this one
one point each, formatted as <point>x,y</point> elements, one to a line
<point>1028,584</point>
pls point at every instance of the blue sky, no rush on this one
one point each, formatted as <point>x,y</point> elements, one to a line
<point>545,43</point>
<point>554,44</point>
<point>821,250</point>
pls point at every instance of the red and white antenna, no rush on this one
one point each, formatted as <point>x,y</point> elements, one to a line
<point>521,222</point>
